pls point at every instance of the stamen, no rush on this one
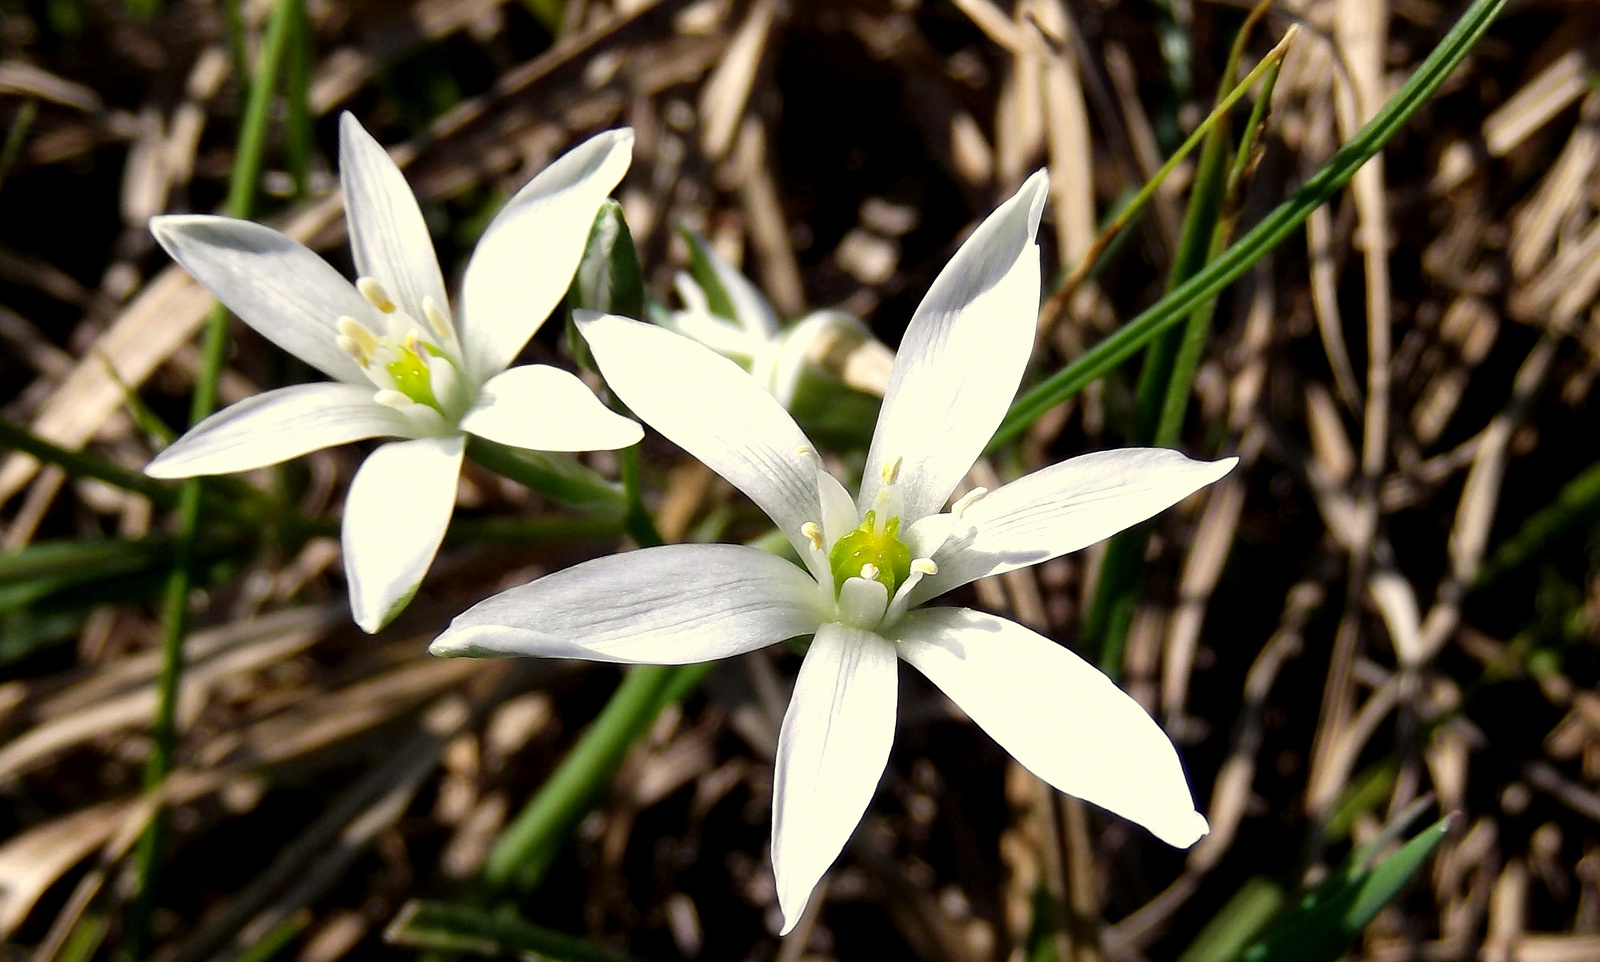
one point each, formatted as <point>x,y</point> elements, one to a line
<point>967,500</point>
<point>353,349</point>
<point>436,318</point>
<point>375,294</point>
<point>358,332</point>
<point>902,596</point>
<point>816,459</point>
<point>392,399</point>
<point>869,571</point>
<point>813,532</point>
<point>890,472</point>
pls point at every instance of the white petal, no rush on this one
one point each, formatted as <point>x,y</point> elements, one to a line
<point>525,261</point>
<point>831,753</point>
<point>276,426</point>
<point>962,357</point>
<point>750,308</point>
<point>1056,714</point>
<point>388,237</point>
<point>1068,506</point>
<point>547,409</point>
<point>394,518</point>
<point>672,605</point>
<point>707,405</point>
<point>274,283</point>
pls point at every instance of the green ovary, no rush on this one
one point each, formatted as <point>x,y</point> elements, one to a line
<point>866,545</point>
<point>411,377</point>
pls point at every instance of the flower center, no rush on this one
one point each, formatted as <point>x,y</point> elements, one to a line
<point>416,367</point>
<point>872,551</point>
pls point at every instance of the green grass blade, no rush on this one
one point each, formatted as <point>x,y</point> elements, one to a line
<point>454,928</point>
<point>1327,919</point>
<point>1273,229</point>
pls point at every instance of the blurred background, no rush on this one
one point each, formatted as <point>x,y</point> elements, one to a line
<point>1390,606</point>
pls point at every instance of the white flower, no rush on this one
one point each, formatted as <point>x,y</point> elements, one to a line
<point>777,357</point>
<point>403,366</point>
<point>872,560</point>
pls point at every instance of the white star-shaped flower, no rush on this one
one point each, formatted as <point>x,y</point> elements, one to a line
<point>403,366</point>
<point>871,560</point>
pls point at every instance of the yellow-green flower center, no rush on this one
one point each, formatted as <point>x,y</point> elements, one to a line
<point>871,545</point>
<point>412,377</point>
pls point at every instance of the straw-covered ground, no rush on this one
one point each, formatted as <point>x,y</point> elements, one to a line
<point>1394,598</point>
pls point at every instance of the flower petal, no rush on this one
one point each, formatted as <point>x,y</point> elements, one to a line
<point>547,409</point>
<point>1056,714</point>
<point>672,605</point>
<point>525,261</point>
<point>394,518</point>
<point>1065,507</point>
<point>707,405</point>
<point>276,426</point>
<point>962,357</point>
<point>388,237</point>
<point>274,283</point>
<point>831,754</point>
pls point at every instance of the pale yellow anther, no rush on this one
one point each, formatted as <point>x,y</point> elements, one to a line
<point>924,565</point>
<point>436,318</point>
<point>813,533</point>
<point>375,294</point>
<point>967,500</point>
<point>352,348</point>
<point>357,332</point>
<point>392,399</point>
<point>869,571</point>
<point>414,342</point>
<point>890,472</point>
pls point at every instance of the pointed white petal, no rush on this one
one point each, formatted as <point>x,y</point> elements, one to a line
<point>1068,506</point>
<point>525,261</point>
<point>831,753</point>
<point>276,426</point>
<point>672,605</point>
<point>547,409</point>
<point>750,308</point>
<point>274,283</point>
<point>707,405</point>
<point>388,237</point>
<point>1056,714</point>
<point>962,357</point>
<point>394,518</point>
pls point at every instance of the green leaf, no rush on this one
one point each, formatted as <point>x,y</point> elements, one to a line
<point>1273,230</point>
<point>1239,921</point>
<point>455,928</point>
<point>1323,923</point>
<point>703,269</point>
<point>609,278</point>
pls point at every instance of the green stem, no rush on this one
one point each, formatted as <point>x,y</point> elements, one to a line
<point>558,477</point>
<point>526,849</point>
<point>213,352</point>
<point>636,517</point>
<point>1273,229</point>
<point>80,465</point>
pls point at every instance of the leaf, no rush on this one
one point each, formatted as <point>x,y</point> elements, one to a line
<point>609,278</point>
<point>456,928</point>
<point>1320,926</point>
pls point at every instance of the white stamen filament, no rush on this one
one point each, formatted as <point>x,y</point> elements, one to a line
<point>375,294</point>
<point>902,596</point>
<point>967,500</point>
<point>437,319</point>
